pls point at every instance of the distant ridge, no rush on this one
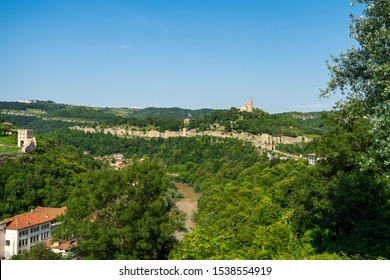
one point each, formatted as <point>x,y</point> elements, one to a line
<point>62,110</point>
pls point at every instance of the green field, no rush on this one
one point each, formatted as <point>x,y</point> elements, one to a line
<point>8,145</point>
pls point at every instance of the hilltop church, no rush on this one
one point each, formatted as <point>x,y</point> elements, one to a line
<point>247,107</point>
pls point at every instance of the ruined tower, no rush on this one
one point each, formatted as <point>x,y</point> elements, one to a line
<point>26,140</point>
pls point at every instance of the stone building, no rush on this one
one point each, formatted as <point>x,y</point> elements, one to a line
<point>26,140</point>
<point>247,107</point>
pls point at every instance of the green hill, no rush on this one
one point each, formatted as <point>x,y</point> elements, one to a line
<point>46,116</point>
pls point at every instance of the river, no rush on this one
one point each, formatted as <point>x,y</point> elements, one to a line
<point>189,205</point>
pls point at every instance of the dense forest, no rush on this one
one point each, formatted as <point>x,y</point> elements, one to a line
<point>251,207</point>
<point>44,178</point>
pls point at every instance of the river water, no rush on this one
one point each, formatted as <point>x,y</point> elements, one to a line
<point>189,205</point>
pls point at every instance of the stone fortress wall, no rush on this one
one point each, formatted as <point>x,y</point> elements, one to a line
<point>264,141</point>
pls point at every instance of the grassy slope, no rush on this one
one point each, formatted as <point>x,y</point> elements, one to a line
<point>8,145</point>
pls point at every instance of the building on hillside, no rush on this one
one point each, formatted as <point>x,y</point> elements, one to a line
<point>187,120</point>
<point>312,159</point>
<point>6,126</point>
<point>26,140</point>
<point>19,233</point>
<point>247,107</point>
<point>117,161</point>
<point>27,101</point>
<point>62,247</point>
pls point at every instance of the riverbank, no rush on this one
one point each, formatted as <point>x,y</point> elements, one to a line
<point>188,205</point>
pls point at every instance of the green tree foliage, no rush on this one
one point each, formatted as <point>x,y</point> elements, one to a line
<point>38,252</point>
<point>38,124</point>
<point>356,218</point>
<point>125,214</point>
<point>289,124</point>
<point>363,75</point>
<point>252,208</point>
<point>44,178</point>
<point>263,213</point>
<point>167,113</point>
<point>83,113</point>
<point>346,143</point>
<point>39,105</point>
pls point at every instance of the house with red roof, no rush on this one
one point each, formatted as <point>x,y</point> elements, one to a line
<point>20,232</point>
<point>60,246</point>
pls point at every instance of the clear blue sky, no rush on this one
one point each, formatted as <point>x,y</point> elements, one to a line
<point>190,54</point>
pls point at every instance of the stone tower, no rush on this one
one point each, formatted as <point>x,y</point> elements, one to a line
<point>26,140</point>
<point>250,105</point>
<point>247,107</point>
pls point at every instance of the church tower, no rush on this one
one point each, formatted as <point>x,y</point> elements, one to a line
<point>250,105</point>
<point>247,107</point>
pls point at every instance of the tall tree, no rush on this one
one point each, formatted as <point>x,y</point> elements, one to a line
<point>123,214</point>
<point>363,75</point>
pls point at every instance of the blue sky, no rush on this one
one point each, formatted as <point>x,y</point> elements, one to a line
<point>190,54</point>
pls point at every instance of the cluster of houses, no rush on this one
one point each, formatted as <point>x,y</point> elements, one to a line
<point>19,233</point>
<point>116,161</point>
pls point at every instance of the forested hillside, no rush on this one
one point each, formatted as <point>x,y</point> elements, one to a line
<point>251,206</point>
<point>289,124</point>
<point>45,116</point>
<point>44,178</point>
<point>112,214</point>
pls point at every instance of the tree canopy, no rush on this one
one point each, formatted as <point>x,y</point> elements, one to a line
<point>362,73</point>
<point>125,214</point>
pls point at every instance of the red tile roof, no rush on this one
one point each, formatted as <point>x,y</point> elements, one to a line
<point>7,123</point>
<point>60,244</point>
<point>37,216</point>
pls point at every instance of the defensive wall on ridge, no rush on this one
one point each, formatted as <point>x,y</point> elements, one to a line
<point>264,141</point>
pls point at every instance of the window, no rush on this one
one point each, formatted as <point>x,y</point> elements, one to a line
<point>34,229</point>
<point>7,243</point>
<point>44,235</point>
<point>23,242</point>
<point>34,239</point>
<point>45,226</point>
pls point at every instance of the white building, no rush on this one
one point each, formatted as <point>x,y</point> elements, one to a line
<point>312,159</point>
<point>27,101</point>
<point>19,233</point>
